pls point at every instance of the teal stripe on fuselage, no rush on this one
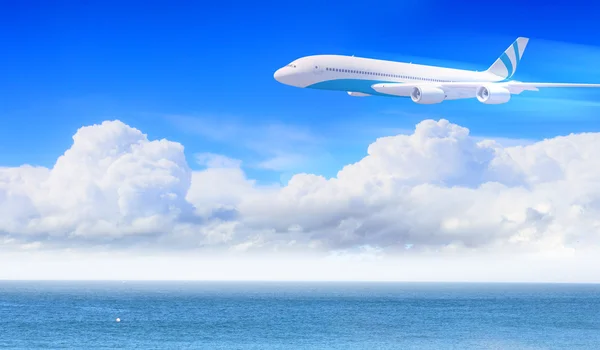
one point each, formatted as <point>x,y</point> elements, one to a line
<point>354,85</point>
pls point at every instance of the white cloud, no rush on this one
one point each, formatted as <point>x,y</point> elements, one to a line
<point>437,189</point>
<point>112,182</point>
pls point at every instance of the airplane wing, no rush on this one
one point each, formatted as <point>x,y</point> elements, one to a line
<point>534,86</point>
<point>486,92</point>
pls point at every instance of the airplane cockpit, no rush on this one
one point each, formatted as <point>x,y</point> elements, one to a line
<point>296,73</point>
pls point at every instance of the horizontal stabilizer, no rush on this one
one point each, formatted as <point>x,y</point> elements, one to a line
<point>357,94</point>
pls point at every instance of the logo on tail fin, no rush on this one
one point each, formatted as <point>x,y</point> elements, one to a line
<point>506,65</point>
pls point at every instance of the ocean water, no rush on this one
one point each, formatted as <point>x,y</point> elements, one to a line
<point>216,315</point>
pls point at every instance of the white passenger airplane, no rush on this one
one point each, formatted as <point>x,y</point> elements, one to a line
<point>423,84</point>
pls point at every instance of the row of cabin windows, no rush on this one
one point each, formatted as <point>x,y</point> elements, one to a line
<point>384,74</point>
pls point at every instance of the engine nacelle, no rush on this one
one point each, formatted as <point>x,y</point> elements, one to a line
<point>427,95</point>
<point>492,95</point>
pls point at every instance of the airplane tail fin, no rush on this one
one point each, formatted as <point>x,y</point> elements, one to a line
<point>506,65</point>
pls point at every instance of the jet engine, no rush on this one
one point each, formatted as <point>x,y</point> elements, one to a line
<point>492,95</point>
<point>427,95</point>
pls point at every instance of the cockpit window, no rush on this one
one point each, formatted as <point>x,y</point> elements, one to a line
<point>291,65</point>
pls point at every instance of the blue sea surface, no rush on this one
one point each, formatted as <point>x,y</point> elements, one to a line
<point>272,315</point>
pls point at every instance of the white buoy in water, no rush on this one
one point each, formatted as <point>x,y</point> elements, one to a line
<point>118,319</point>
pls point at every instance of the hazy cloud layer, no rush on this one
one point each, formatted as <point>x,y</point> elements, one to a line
<point>274,146</point>
<point>437,189</point>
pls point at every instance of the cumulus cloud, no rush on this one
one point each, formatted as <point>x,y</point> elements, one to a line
<point>438,189</point>
<point>112,182</point>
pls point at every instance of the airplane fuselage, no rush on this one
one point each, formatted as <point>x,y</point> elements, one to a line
<point>423,84</point>
<point>359,75</point>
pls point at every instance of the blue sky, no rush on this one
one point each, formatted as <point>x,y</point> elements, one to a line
<point>202,74</point>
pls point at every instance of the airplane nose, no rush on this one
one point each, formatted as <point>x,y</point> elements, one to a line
<point>278,74</point>
<point>286,76</point>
